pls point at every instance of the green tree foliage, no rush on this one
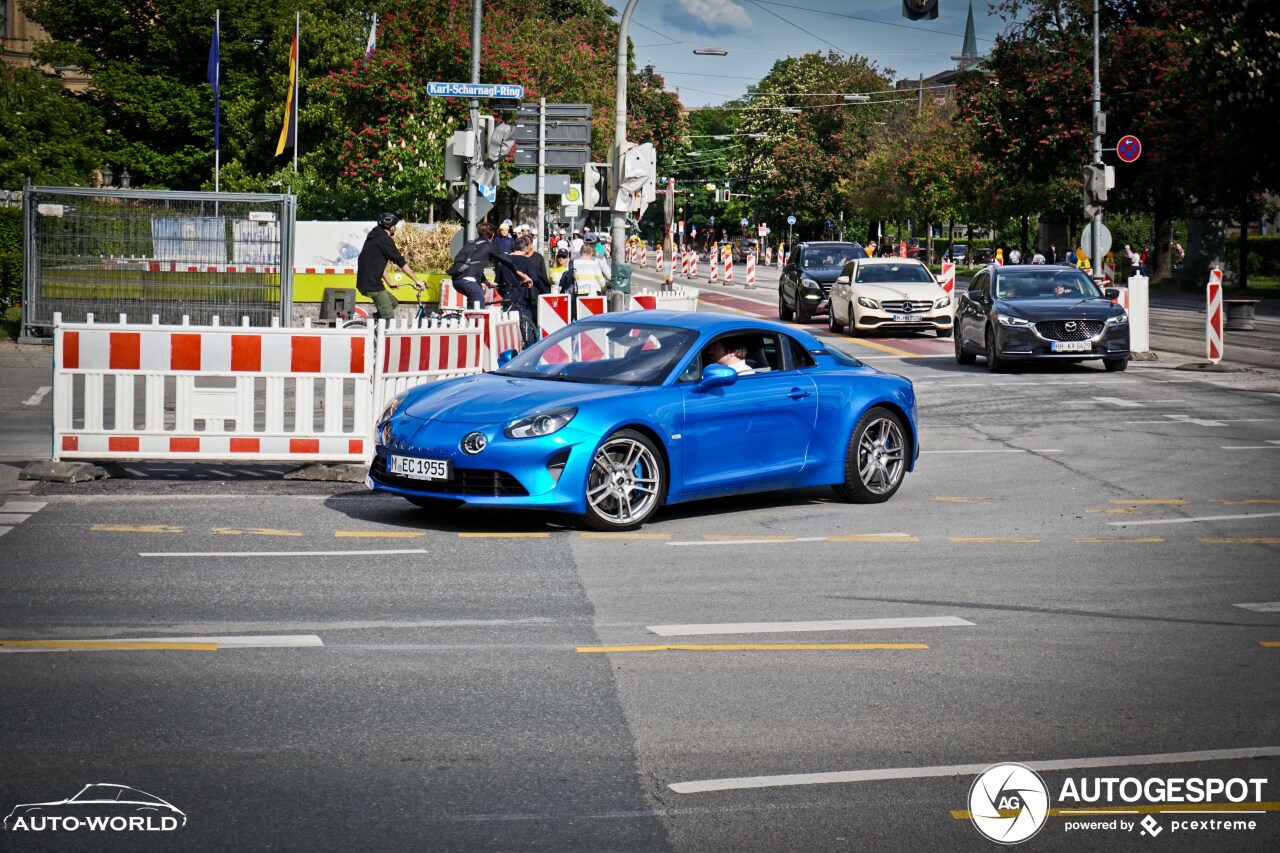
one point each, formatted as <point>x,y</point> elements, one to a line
<point>46,136</point>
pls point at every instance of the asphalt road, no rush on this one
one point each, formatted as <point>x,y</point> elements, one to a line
<point>1064,574</point>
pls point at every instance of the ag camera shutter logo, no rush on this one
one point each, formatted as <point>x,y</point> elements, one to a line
<point>1008,803</point>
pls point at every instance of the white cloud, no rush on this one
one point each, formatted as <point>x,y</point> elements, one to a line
<point>706,17</point>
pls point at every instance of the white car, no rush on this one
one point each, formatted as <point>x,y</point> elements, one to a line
<point>889,293</point>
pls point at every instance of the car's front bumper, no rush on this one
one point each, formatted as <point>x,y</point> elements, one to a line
<point>549,472</point>
<point>872,320</point>
<point>1025,343</point>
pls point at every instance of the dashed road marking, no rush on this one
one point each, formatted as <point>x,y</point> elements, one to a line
<point>34,399</point>
<point>730,537</point>
<point>757,647</point>
<point>181,644</point>
<point>172,554</point>
<point>1151,501</point>
<point>752,541</point>
<point>999,450</point>
<point>379,534</point>
<point>874,537</point>
<point>1119,403</point>
<point>1271,644</point>
<point>1120,539</point>
<point>543,535</point>
<point>1241,540</point>
<point>845,776</point>
<point>586,534</point>
<point>254,531</point>
<point>1247,501</point>
<point>959,499</point>
<point>1196,519</point>
<point>135,528</point>
<point>805,627</point>
<point>1270,445</point>
<point>1262,606</point>
<point>971,539</point>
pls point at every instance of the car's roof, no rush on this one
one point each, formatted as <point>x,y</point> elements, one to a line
<point>1005,268</point>
<point>894,259</point>
<point>841,243</point>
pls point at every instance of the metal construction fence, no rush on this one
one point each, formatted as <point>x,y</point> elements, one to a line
<point>143,253</point>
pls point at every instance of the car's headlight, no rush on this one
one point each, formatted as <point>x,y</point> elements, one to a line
<point>543,423</point>
<point>1118,320</point>
<point>384,434</point>
<point>868,302</point>
<point>1006,320</point>
<point>810,284</point>
<point>390,409</point>
<point>943,302</point>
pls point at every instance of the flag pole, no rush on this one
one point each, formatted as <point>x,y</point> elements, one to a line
<point>297,86</point>
<point>217,71</point>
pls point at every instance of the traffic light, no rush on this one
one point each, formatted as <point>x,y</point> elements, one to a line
<point>636,184</point>
<point>1093,189</point>
<point>920,10</point>
<point>595,185</point>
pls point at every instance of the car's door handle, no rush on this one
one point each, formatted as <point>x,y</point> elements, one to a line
<point>798,393</point>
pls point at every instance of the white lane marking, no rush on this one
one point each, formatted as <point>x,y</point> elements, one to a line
<point>99,632</point>
<point>280,553</point>
<point>13,517</point>
<point>1116,401</point>
<point>1187,419</point>
<point>23,506</point>
<point>1198,518</point>
<point>752,541</point>
<point>4,530</point>
<point>1025,384</point>
<point>290,641</point>
<point>1262,607</point>
<point>1271,444</point>
<point>34,399</point>
<point>900,357</point>
<point>968,769</point>
<point>1004,450</point>
<point>787,627</point>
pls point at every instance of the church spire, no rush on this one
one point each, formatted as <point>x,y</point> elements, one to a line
<point>970,49</point>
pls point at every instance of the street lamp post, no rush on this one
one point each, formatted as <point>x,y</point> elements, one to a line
<point>618,229</point>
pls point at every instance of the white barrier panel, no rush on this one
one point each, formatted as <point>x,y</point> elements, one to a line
<point>1139,314</point>
<point>411,354</point>
<point>678,298</point>
<point>450,298</point>
<point>210,392</point>
<point>500,332</point>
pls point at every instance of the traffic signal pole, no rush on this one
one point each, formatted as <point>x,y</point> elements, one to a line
<point>1095,256</point>
<point>476,162</point>
<point>618,229</point>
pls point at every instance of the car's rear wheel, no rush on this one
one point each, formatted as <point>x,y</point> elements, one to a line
<point>784,313</point>
<point>833,324</point>
<point>1115,365</point>
<point>995,364</point>
<point>963,356</point>
<point>626,484</point>
<point>876,460</point>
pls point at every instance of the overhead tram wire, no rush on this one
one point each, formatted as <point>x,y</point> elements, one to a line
<point>918,29</point>
<point>800,28</point>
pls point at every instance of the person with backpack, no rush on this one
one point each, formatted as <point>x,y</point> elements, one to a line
<point>467,269</point>
<point>371,266</point>
<point>590,271</point>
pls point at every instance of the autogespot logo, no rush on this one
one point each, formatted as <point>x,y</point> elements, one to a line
<point>1008,803</point>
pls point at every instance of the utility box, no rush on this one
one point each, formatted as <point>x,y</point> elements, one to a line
<point>338,303</point>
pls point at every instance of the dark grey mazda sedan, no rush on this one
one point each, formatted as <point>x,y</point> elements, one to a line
<point>1037,312</point>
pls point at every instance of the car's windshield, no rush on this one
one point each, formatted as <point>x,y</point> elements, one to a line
<point>97,792</point>
<point>831,256</point>
<point>904,273</point>
<point>607,353</point>
<point>1046,284</point>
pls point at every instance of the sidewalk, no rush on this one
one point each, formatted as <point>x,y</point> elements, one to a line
<point>26,411</point>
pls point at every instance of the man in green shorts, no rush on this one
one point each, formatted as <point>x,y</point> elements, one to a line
<point>371,268</point>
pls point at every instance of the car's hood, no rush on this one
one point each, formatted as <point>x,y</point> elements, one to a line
<point>825,275</point>
<point>1055,308</point>
<point>917,291</point>
<point>490,397</point>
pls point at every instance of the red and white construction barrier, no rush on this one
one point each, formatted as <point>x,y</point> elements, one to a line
<point>1213,324</point>
<point>1108,274</point>
<point>693,265</point>
<point>714,258</point>
<point>450,298</point>
<point>644,255</point>
<point>948,279</point>
<point>751,269</point>
<point>662,258</point>
<point>727,254</point>
<point>768,256</point>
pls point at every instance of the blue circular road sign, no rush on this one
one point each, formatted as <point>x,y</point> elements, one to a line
<point>791,220</point>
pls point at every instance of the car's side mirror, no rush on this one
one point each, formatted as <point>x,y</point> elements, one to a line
<point>717,376</point>
<point>1112,293</point>
<point>977,296</point>
<point>505,356</point>
<point>844,279</point>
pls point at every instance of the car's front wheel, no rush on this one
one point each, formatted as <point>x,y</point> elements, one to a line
<point>626,484</point>
<point>833,324</point>
<point>995,364</point>
<point>876,460</point>
<point>963,356</point>
<point>1114,365</point>
<point>785,314</point>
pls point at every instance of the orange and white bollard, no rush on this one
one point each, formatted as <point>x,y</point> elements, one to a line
<point>768,256</point>
<point>1213,323</point>
<point>728,264</point>
<point>751,269</point>
<point>693,264</point>
<point>714,257</point>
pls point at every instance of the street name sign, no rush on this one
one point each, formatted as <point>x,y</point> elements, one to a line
<point>475,90</point>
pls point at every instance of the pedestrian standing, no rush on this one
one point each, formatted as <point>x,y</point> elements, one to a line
<point>473,258</point>
<point>504,241</point>
<point>1051,256</point>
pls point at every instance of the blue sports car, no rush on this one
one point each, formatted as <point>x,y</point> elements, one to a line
<point>613,416</point>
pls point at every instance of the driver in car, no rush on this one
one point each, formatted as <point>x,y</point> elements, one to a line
<point>730,353</point>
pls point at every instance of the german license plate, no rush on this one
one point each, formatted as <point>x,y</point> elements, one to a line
<point>419,469</point>
<point>1071,346</point>
<point>908,318</point>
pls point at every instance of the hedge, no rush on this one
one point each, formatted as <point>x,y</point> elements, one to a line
<point>10,255</point>
<point>1264,255</point>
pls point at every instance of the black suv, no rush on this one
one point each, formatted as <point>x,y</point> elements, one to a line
<point>806,279</point>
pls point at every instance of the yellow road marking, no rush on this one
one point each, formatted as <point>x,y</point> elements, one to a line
<point>872,537</point>
<point>109,644</point>
<point>725,537</point>
<point>766,647</point>
<point>546,535</point>
<point>654,536</point>
<point>954,499</point>
<point>135,528</point>
<point>1241,540</point>
<point>888,349</point>
<point>1125,539</point>
<point>992,539</point>
<point>1271,644</point>
<point>378,534</point>
<point>1242,503</point>
<point>1150,501</point>
<point>963,814</point>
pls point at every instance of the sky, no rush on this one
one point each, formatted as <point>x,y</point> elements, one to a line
<point>757,33</point>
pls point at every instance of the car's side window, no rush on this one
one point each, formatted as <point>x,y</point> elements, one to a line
<point>798,257</point>
<point>847,272</point>
<point>981,282</point>
<point>800,357</point>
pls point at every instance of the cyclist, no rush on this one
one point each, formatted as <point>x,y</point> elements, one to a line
<point>371,267</point>
<point>474,257</point>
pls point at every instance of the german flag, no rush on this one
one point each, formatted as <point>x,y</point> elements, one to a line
<point>289,133</point>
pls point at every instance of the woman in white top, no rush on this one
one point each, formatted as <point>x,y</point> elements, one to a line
<point>590,271</point>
